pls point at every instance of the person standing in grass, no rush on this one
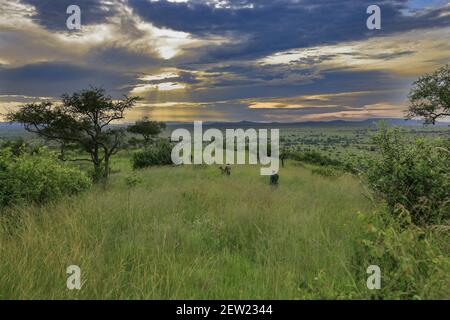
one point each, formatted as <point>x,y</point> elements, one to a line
<point>274,179</point>
<point>228,169</point>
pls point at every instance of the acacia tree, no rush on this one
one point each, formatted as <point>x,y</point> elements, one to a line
<point>284,155</point>
<point>84,119</point>
<point>430,96</point>
<point>148,129</point>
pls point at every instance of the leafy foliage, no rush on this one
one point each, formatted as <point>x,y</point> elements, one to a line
<point>430,96</point>
<point>413,260</point>
<point>158,155</point>
<point>412,175</point>
<point>16,147</point>
<point>327,171</point>
<point>148,129</point>
<point>315,158</point>
<point>37,178</point>
<point>82,118</point>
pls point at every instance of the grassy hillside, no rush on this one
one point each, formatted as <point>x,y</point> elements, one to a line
<point>190,232</point>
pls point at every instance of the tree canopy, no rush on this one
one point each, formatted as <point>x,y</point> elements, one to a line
<point>430,96</point>
<point>83,118</point>
<point>147,128</point>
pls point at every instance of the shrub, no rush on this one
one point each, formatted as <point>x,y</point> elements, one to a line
<point>329,172</point>
<point>413,175</point>
<point>132,181</point>
<point>313,157</point>
<point>157,155</point>
<point>316,158</point>
<point>37,178</point>
<point>413,260</point>
<point>16,147</point>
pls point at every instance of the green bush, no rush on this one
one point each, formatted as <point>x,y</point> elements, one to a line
<point>315,158</point>
<point>157,155</point>
<point>17,147</point>
<point>329,172</point>
<point>414,260</point>
<point>413,175</point>
<point>37,178</point>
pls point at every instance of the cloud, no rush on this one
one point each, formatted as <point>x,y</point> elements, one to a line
<point>275,105</point>
<point>55,78</point>
<point>227,59</point>
<point>409,53</point>
<point>265,26</point>
<point>379,110</point>
<point>52,14</point>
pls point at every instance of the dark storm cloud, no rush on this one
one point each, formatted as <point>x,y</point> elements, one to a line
<point>276,25</point>
<point>330,81</point>
<point>220,61</point>
<point>121,58</point>
<point>52,13</point>
<point>183,77</point>
<point>382,56</point>
<point>187,77</point>
<point>53,79</point>
<point>256,72</point>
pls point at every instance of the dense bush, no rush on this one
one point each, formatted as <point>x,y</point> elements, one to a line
<point>413,260</point>
<point>19,146</point>
<point>313,157</point>
<point>327,171</point>
<point>413,175</point>
<point>157,155</point>
<point>38,177</point>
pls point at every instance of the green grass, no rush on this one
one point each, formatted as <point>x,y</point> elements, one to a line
<point>189,232</point>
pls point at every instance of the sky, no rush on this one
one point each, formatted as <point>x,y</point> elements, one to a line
<point>225,60</point>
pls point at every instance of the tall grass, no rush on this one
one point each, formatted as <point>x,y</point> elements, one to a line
<point>189,232</point>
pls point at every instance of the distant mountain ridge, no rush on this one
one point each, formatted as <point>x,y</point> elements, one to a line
<point>391,121</point>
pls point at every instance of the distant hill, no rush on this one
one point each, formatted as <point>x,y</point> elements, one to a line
<point>368,122</point>
<point>15,127</point>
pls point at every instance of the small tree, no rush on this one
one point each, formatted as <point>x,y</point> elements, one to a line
<point>430,96</point>
<point>84,119</point>
<point>284,155</point>
<point>148,129</point>
<point>411,175</point>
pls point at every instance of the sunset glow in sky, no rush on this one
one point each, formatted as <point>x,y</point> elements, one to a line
<point>225,60</point>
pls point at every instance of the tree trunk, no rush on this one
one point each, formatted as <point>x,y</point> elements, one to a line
<point>146,142</point>
<point>97,164</point>
<point>106,167</point>
<point>62,155</point>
